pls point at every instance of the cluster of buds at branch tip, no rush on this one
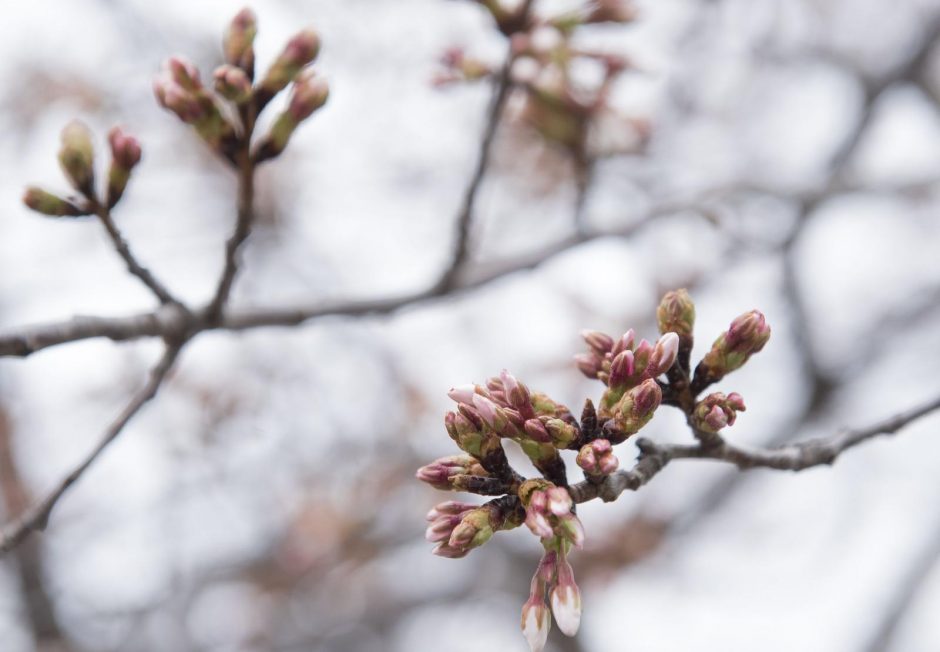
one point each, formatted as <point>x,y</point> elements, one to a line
<point>621,365</point>
<point>550,512</point>
<point>238,42</point>
<point>639,377</point>
<point>125,155</point>
<point>77,159</point>
<point>459,527</point>
<point>597,458</point>
<point>179,89</point>
<point>746,335</point>
<point>716,411</point>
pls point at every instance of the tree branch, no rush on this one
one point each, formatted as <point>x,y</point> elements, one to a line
<point>133,266</point>
<point>794,457</point>
<point>36,517</point>
<point>503,84</point>
<point>171,321</point>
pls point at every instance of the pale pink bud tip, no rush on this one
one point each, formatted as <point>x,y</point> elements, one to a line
<point>566,605</point>
<point>536,621</point>
<point>716,418</point>
<point>559,501</point>
<point>665,352</point>
<point>462,393</point>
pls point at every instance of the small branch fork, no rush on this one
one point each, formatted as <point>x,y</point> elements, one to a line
<point>794,457</point>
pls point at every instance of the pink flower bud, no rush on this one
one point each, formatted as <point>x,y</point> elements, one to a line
<point>589,364</point>
<point>449,508</point>
<point>621,369</point>
<point>716,419</point>
<point>232,83</point>
<point>676,313</point>
<point>184,73</point>
<point>462,393</point>
<point>535,429</point>
<point>310,93</point>
<point>566,599</point>
<point>663,355</point>
<point>559,501</point>
<point>239,39</point>
<point>536,622</point>
<point>625,343</point>
<point>600,343</point>
<point>748,332</point>
<point>646,397</point>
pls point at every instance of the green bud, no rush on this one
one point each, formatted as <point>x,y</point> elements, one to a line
<point>47,203</point>
<point>676,314</point>
<point>77,157</point>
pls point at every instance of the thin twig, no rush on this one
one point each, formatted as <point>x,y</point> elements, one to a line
<point>36,517</point>
<point>133,266</point>
<point>503,83</point>
<point>794,457</point>
<point>243,224</point>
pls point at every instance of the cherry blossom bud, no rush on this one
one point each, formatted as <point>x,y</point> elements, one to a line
<point>625,343</point>
<point>299,51</point>
<point>125,155</point>
<point>232,83</point>
<point>536,623</point>
<point>309,93</point>
<point>562,433</point>
<point>597,458</point>
<point>589,364</point>
<point>462,393</point>
<point>77,157</point>
<point>748,333</point>
<point>600,343</point>
<point>716,411</point>
<point>449,508</point>
<point>442,472</point>
<point>536,430</point>
<point>184,73</point>
<point>633,411</point>
<point>676,314</point>
<point>238,41</point>
<point>746,336</point>
<point>663,355</point>
<point>559,501</point>
<point>47,203</point>
<point>566,598</point>
<point>174,97</point>
<point>622,368</point>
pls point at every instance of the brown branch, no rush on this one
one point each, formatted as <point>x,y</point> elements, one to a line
<point>503,84</point>
<point>243,224</point>
<point>36,517</point>
<point>794,457</point>
<point>133,266</point>
<point>170,321</point>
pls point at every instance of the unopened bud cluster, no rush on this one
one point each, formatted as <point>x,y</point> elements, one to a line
<point>638,378</point>
<point>179,89</point>
<point>227,130</point>
<point>562,111</point>
<point>77,160</point>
